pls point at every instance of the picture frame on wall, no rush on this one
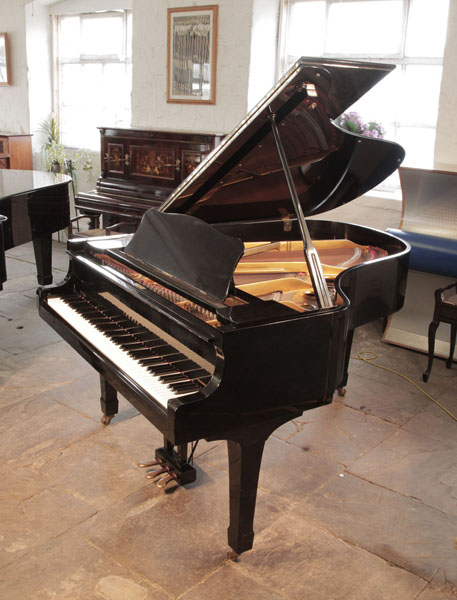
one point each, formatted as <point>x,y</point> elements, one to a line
<point>192,54</point>
<point>5,76</point>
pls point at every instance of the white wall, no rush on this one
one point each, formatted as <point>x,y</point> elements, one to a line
<point>446,131</point>
<point>14,105</point>
<point>38,28</point>
<point>149,91</point>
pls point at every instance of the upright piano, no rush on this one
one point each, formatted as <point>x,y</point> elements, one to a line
<point>227,313</point>
<point>139,170</point>
<point>36,204</point>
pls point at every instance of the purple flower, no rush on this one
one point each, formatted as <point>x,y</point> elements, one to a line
<point>352,121</point>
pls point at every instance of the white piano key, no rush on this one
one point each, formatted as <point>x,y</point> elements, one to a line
<point>131,367</point>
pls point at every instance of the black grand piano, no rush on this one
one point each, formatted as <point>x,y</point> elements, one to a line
<point>227,313</point>
<point>36,204</point>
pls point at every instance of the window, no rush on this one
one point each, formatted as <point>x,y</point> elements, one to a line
<point>408,33</point>
<point>94,74</point>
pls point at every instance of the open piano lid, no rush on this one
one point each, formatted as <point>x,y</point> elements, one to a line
<point>243,177</point>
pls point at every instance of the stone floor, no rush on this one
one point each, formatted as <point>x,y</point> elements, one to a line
<point>357,500</point>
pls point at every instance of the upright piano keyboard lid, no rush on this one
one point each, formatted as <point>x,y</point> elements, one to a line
<point>243,178</point>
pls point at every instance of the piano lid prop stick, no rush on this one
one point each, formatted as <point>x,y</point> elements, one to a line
<point>312,259</point>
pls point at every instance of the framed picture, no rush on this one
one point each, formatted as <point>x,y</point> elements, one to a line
<point>4,60</point>
<point>192,53</point>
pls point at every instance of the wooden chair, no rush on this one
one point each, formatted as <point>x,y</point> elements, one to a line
<point>445,312</point>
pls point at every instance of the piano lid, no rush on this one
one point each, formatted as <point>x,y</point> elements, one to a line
<point>243,178</point>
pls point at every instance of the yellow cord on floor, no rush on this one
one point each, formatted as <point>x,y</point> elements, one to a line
<point>374,356</point>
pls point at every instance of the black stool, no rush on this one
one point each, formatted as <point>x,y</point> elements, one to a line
<point>445,312</point>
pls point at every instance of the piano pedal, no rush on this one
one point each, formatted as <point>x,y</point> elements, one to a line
<point>172,469</point>
<point>341,392</point>
<point>164,481</point>
<point>153,474</point>
<point>150,463</point>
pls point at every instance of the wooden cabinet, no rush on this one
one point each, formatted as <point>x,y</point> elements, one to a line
<point>16,151</point>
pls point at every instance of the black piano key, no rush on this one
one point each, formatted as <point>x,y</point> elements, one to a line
<point>163,369</point>
<point>187,386</point>
<point>173,378</point>
<point>147,336</point>
<point>157,360</point>
<point>196,373</point>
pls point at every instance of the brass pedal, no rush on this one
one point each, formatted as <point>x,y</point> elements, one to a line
<point>164,481</point>
<point>150,463</point>
<point>153,474</point>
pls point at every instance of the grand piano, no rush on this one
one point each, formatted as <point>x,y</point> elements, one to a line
<point>228,313</point>
<point>36,204</point>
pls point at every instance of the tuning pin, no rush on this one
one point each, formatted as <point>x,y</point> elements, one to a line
<point>165,480</point>
<point>152,463</point>
<point>152,474</point>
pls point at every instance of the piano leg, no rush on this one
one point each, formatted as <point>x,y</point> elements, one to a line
<point>108,401</point>
<point>42,247</point>
<point>245,458</point>
<point>245,449</point>
<point>341,388</point>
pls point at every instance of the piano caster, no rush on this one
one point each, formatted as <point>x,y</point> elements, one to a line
<point>341,392</point>
<point>106,419</point>
<point>232,555</point>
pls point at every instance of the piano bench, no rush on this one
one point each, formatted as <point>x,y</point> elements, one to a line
<point>96,231</point>
<point>445,312</point>
<point>430,254</point>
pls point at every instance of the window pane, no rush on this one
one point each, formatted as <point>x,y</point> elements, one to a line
<point>365,27</point>
<point>419,145</point>
<point>306,32</point>
<point>70,84</point>
<point>69,37</point>
<point>102,36</point>
<point>381,103</point>
<point>115,95</point>
<point>427,26</point>
<point>419,100</point>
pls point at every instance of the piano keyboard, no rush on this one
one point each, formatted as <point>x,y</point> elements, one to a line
<point>163,370</point>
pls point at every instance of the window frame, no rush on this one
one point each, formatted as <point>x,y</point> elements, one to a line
<point>125,58</point>
<point>400,59</point>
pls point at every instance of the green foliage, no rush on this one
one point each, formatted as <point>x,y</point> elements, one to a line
<point>55,158</point>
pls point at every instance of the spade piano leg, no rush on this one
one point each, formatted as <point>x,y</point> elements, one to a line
<point>108,400</point>
<point>42,248</point>
<point>245,458</point>
<point>245,449</point>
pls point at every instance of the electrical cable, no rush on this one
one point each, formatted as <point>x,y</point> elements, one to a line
<point>374,356</point>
